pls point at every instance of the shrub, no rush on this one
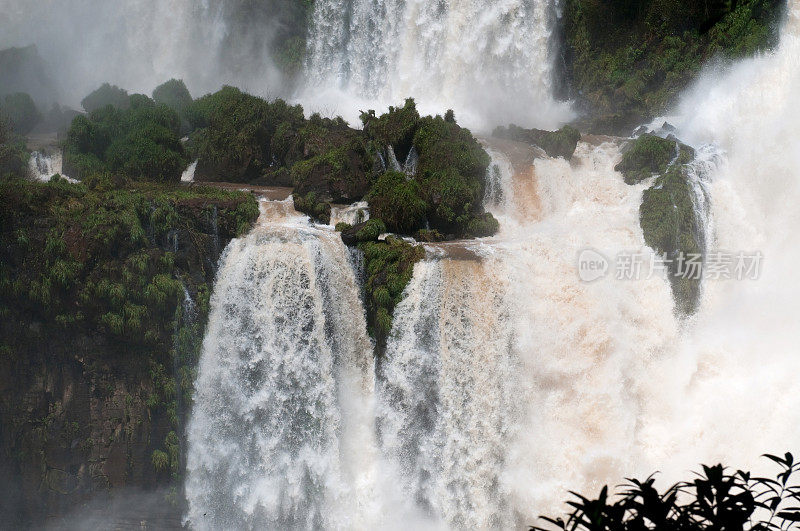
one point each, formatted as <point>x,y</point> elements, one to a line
<point>395,199</point>
<point>371,230</point>
<point>20,112</point>
<point>141,142</point>
<point>174,95</point>
<point>309,205</point>
<point>235,143</point>
<point>716,499</point>
<point>107,94</point>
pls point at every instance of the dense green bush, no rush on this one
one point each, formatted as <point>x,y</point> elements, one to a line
<point>105,258</point>
<point>626,60</point>
<point>141,142</point>
<point>396,199</point>
<point>107,94</point>
<point>174,95</point>
<point>234,140</point>
<point>20,112</point>
<point>715,499</point>
<point>13,156</point>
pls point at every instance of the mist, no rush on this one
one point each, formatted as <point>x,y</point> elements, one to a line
<point>138,44</point>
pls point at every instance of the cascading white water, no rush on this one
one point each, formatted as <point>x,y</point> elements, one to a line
<point>447,398</point>
<point>282,434</point>
<point>610,383</point>
<point>507,381</point>
<point>489,62</point>
<point>351,214</point>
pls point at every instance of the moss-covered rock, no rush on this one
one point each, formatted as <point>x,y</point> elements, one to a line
<point>98,330</point>
<point>317,210</point>
<point>560,143</point>
<point>667,214</point>
<point>671,228</point>
<point>650,154</point>
<point>389,267</point>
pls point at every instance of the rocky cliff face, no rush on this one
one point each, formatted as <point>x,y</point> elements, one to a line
<point>103,298</point>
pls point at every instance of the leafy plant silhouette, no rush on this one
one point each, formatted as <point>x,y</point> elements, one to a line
<point>715,500</point>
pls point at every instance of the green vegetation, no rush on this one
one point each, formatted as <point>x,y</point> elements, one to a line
<point>13,156</point>
<point>715,499</point>
<point>105,258</point>
<point>626,60</point>
<point>560,143</point>
<point>243,138</point>
<point>141,142</point>
<point>389,267</point>
<point>106,95</point>
<point>650,154</point>
<point>667,214</point>
<point>174,95</point>
<point>671,227</point>
<point>20,112</point>
<point>233,140</point>
<point>397,199</point>
<point>308,204</point>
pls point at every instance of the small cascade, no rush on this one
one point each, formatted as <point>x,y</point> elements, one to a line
<point>44,165</point>
<point>182,357</point>
<point>394,165</point>
<point>188,174</point>
<point>410,165</point>
<point>699,174</point>
<point>350,214</point>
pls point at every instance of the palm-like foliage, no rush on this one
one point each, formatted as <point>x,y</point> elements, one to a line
<point>716,500</point>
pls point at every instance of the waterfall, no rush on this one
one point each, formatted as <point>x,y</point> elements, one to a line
<point>352,214</point>
<point>447,393</point>
<point>507,380</point>
<point>188,174</point>
<point>281,434</point>
<point>490,62</point>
